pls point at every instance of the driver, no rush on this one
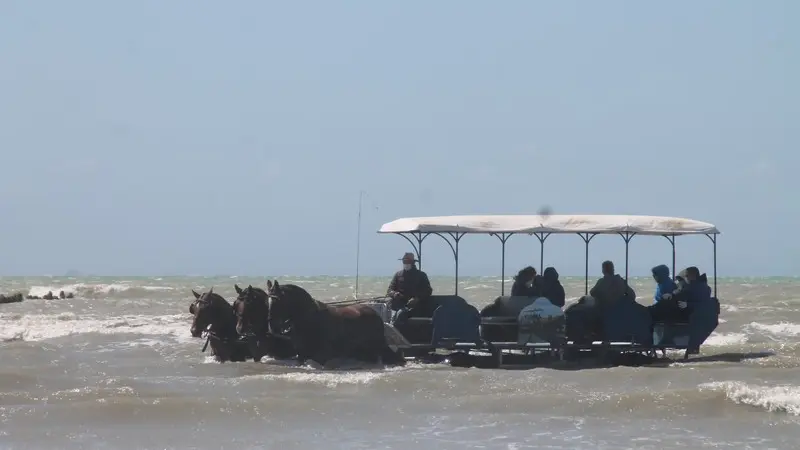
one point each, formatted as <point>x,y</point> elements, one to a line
<point>409,286</point>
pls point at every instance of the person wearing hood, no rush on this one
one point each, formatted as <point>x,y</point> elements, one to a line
<point>552,288</point>
<point>664,284</point>
<point>611,288</point>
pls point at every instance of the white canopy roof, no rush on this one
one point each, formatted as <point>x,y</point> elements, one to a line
<point>611,224</point>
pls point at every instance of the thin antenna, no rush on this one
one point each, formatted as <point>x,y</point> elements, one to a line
<point>358,239</point>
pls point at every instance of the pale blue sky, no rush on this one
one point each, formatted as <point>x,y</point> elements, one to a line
<point>199,137</point>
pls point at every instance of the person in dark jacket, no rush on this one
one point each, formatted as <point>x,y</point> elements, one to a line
<point>611,288</point>
<point>692,289</point>
<point>664,284</point>
<point>552,288</point>
<point>697,288</point>
<point>525,283</point>
<point>409,286</point>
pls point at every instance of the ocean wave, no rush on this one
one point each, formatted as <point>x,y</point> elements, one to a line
<point>86,290</point>
<point>780,398</point>
<point>783,329</point>
<point>38,327</point>
<point>725,339</point>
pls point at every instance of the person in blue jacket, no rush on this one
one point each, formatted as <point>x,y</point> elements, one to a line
<point>664,284</point>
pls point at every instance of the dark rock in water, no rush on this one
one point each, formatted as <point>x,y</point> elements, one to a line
<point>11,298</point>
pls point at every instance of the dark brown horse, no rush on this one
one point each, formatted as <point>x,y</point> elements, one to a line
<point>251,311</point>
<point>318,331</point>
<point>211,309</point>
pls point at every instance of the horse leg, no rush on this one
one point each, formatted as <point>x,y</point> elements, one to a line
<point>380,351</point>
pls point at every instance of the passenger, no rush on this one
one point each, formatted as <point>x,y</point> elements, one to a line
<point>552,288</point>
<point>525,283</point>
<point>697,288</point>
<point>611,288</point>
<point>672,306</point>
<point>664,284</point>
<point>409,287</point>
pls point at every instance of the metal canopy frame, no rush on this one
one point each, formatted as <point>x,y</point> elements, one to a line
<point>453,239</point>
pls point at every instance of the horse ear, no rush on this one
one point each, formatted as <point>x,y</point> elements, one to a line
<point>211,291</point>
<point>196,295</point>
<point>269,285</point>
<point>275,285</point>
<point>238,289</point>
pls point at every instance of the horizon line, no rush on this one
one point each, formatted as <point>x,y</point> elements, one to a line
<point>389,275</point>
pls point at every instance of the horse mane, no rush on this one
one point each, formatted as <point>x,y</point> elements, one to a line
<point>215,299</point>
<point>258,290</point>
<point>300,294</point>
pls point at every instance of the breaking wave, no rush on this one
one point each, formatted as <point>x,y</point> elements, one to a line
<point>85,290</point>
<point>780,398</point>
<point>780,329</point>
<point>38,327</point>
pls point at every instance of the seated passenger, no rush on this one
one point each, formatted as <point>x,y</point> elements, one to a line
<point>410,290</point>
<point>611,288</point>
<point>525,283</point>
<point>697,288</point>
<point>552,288</point>
<point>664,284</point>
<point>672,306</point>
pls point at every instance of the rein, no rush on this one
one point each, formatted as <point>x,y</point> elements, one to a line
<point>208,334</point>
<point>355,301</point>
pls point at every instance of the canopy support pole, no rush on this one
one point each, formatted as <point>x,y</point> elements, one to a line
<point>587,237</point>
<point>454,247</point>
<point>419,237</point>
<point>503,238</point>
<point>671,239</point>
<point>627,236</point>
<point>713,238</point>
<point>542,237</point>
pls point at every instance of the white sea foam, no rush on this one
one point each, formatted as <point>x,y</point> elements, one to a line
<point>781,329</point>
<point>779,398</point>
<point>93,290</point>
<point>38,327</point>
<point>725,339</point>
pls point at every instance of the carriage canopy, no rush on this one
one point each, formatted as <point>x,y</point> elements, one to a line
<point>531,224</point>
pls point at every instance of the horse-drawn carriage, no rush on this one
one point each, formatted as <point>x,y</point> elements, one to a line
<point>531,331</point>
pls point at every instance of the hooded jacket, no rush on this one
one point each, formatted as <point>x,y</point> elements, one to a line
<point>664,284</point>
<point>552,288</point>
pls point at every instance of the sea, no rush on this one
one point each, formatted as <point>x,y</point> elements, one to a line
<point>115,367</point>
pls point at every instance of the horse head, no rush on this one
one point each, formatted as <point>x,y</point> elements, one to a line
<point>206,310</point>
<point>252,310</point>
<point>288,303</point>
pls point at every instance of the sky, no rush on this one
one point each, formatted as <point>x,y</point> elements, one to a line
<point>200,137</point>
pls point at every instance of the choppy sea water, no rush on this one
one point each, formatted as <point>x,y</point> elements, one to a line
<point>116,367</point>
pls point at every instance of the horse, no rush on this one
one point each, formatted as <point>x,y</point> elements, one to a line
<point>251,304</point>
<point>211,309</point>
<point>321,332</point>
